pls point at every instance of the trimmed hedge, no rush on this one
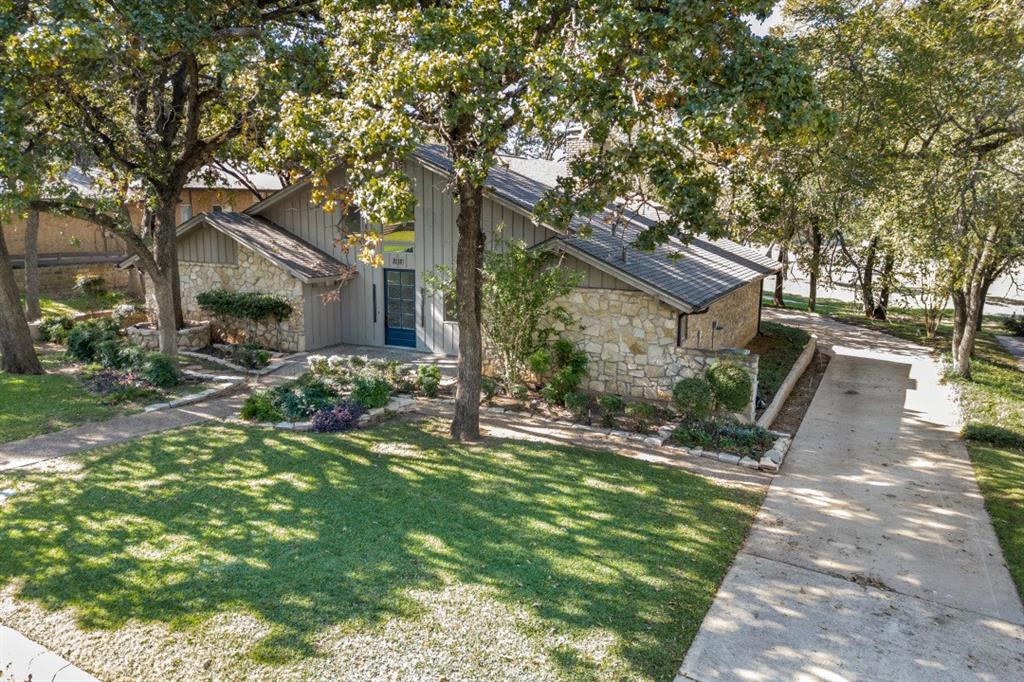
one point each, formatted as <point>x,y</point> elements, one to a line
<point>693,397</point>
<point>244,305</point>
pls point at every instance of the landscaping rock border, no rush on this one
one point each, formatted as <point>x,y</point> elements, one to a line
<point>769,462</point>
<point>226,384</point>
<point>795,372</point>
<point>193,337</point>
<point>276,362</point>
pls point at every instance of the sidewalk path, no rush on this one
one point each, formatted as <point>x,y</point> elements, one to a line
<point>1014,345</point>
<point>129,427</point>
<point>873,556</point>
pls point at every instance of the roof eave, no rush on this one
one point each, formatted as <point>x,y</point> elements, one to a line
<point>618,273</point>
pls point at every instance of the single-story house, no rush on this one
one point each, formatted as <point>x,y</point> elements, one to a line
<point>647,318</point>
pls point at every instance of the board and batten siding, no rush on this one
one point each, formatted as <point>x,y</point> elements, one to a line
<point>357,315</point>
<point>206,245</point>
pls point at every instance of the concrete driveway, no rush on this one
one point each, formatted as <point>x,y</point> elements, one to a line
<point>873,557</point>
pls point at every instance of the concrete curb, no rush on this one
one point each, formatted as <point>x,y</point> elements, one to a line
<point>795,372</point>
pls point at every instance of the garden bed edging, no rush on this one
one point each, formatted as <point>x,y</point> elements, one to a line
<point>795,372</point>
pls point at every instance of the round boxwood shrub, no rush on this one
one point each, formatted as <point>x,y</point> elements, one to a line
<point>693,398</point>
<point>731,385</point>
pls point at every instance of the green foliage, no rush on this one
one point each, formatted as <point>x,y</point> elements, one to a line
<point>578,404</point>
<point>520,291</point>
<point>91,285</point>
<point>261,406</point>
<point>55,329</point>
<point>160,370</point>
<point>244,305</point>
<point>539,361</point>
<point>428,379</point>
<point>519,391</point>
<point>611,405</point>
<point>992,434</point>
<point>1014,325</point>
<point>84,339</point>
<point>693,398</point>
<point>731,385</point>
<point>724,436</point>
<point>250,356</point>
<point>370,392</point>
<point>489,387</point>
<point>642,415</point>
<point>569,368</point>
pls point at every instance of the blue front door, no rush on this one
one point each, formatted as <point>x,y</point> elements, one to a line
<point>400,308</point>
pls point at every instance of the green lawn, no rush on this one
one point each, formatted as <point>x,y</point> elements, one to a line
<point>238,552</point>
<point>778,348</point>
<point>31,405</point>
<point>993,404</point>
<point>81,303</point>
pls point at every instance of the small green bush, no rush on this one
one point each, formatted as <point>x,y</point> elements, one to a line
<point>731,385</point>
<point>55,329</point>
<point>1014,325</point>
<point>643,415</point>
<point>370,392</point>
<point>91,285</point>
<point>578,404</point>
<point>539,361</point>
<point>610,405</point>
<point>519,391</point>
<point>569,366</point>
<point>693,398</point>
<point>111,353</point>
<point>160,370</point>
<point>84,339</point>
<point>260,407</point>
<point>489,387</point>
<point>250,356</point>
<point>428,379</point>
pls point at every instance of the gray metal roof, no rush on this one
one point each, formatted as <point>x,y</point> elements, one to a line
<point>689,276</point>
<point>293,254</point>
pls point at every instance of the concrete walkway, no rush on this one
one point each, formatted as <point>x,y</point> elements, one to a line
<point>873,557</point>
<point>1014,345</point>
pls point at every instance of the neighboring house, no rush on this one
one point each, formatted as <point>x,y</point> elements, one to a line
<point>647,319</point>
<point>69,247</point>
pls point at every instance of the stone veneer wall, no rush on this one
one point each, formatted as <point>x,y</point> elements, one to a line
<point>631,340</point>
<point>252,273</point>
<point>59,280</point>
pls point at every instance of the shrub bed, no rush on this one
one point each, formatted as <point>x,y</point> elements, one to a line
<point>747,440</point>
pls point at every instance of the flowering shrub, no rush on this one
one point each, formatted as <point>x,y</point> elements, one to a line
<point>341,417</point>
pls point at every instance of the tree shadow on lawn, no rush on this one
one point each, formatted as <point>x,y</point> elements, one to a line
<point>309,532</point>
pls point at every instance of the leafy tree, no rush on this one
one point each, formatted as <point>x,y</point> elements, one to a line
<point>144,93</point>
<point>519,299</point>
<point>659,87</point>
<point>942,112</point>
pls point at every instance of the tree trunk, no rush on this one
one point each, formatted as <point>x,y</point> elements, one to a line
<point>32,266</point>
<point>163,292</point>
<point>19,355</point>
<point>881,311</point>
<point>166,251</point>
<point>981,303</point>
<point>778,298</point>
<point>468,284</point>
<point>867,281</point>
<point>959,317</point>
<point>814,266</point>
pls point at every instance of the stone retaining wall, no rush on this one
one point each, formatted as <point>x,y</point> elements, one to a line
<point>59,280</point>
<point>631,340</point>
<point>253,273</point>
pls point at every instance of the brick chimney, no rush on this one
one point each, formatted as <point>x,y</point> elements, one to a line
<point>576,141</point>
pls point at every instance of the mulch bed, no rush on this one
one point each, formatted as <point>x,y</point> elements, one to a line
<point>793,410</point>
